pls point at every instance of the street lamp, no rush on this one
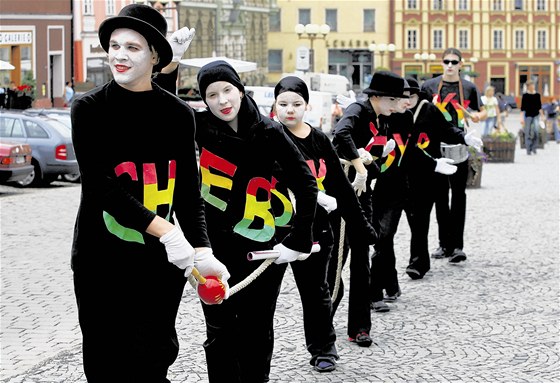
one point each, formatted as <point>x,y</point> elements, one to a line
<point>381,49</point>
<point>312,32</point>
<point>424,57</point>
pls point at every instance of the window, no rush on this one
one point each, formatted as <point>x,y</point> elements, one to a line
<point>541,39</point>
<point>519,39</point>
<point>463,5</point>
<point>304,16</point>
<point>369,20</point>
<point>541,5</point>
<point>412,39</point>
<point>275,60</point>
<point>88,7</point>
<point>463,39</point>
<point>498,39</point>
<point>10,127</point>
<point>110,7</point>
<point>411,4</point>
<point>438,39</point>
<point>437,5</point>
<point>331,19</point>
<point>34,130</point>
<point>497,5</point>
<point>518,6</point>
<point>275,21</point>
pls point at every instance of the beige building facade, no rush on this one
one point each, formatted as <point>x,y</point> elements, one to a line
<point>345,50</point>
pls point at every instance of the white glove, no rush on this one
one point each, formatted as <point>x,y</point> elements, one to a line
<point>472,140</point>
<point>179,250</point>
<point>344,101</point>
<point>180,41</point>
<point>365,156</point>
<point>359,183</point>
<point>207,264</point>
<point>388,148</point>
<point>443,166</point>
<point>326,201</point>
<point>287,255</point>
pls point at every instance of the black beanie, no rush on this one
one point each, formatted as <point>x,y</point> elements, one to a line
<point>217,71</point>
<point>292,84</point>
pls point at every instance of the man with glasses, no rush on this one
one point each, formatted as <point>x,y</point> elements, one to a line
<point>456,98</point>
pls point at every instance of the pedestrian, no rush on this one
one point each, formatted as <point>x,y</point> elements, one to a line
<point>130,258</point>
<point>457,99</point>
<point>239,149</point>
<point>422,160</point>
<point>68,93</point>
<point>531,107</point>
<point>502,105</point>
<point>357,135</point>
<point>491,105</point>
<point>551,110</point>
<point>291,101</point>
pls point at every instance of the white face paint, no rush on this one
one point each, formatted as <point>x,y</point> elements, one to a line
<point>385,105</point>
<point>223,100</point>
<point>131,60</point>
<point>413,101</point>
<point>451,65</point>
<point>290,108</point>
<point>404,103</point>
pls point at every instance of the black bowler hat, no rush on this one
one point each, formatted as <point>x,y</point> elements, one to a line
<point>411,85</point>
<point>145,20</point>
<point>386,84</point>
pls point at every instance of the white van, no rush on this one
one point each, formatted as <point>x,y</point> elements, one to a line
<point>319,114</point>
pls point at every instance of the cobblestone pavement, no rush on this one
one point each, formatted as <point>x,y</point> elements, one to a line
<point>493,318</point>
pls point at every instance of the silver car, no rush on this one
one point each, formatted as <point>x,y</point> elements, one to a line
<point>50,141</point>
<point>62,115</point>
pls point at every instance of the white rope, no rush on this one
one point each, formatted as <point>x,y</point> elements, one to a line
<point>346,167</point>
<point>251,277</point>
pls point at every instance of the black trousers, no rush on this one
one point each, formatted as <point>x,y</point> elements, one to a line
<point>127,317</point>
<point>418,211</point>
<point>451,205</point>
<point>383,262</point>
<point>359,312</point>
<point>240,333</point>
<point>311,280</point>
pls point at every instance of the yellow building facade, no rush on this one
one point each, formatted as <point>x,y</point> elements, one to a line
<point>344,50</point>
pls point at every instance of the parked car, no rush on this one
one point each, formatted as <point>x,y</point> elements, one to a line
<point>510,103</point>
<point>50,141</point>
<point>62,115</point>
<point>15,161</point>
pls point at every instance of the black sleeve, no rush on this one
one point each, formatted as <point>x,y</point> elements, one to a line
<point>302,183</point>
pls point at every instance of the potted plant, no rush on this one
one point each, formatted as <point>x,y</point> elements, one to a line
<point>500,146</point>
<point>475,161</point>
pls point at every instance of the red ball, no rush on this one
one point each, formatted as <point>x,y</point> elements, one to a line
<point>211,292</point>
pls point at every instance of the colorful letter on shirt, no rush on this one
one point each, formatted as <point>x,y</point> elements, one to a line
<point>152,197</point>
<point>253,209</point>
<point>209,160</point>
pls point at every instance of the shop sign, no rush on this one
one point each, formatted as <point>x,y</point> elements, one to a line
<point>350,43</point>
<point>16,38</point>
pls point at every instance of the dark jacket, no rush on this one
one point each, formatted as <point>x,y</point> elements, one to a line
<point>135,161</point>
<point>358,129</point>
<point>237,170</point>
<point>325,165</point>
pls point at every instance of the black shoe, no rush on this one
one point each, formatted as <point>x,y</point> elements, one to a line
<point>392,297</point>
<point>440,253</point>
<point>362,339</point>
<point>325,363</point>
<point>379,307</point>
<point>457,256</point>
<point>414,274</point>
